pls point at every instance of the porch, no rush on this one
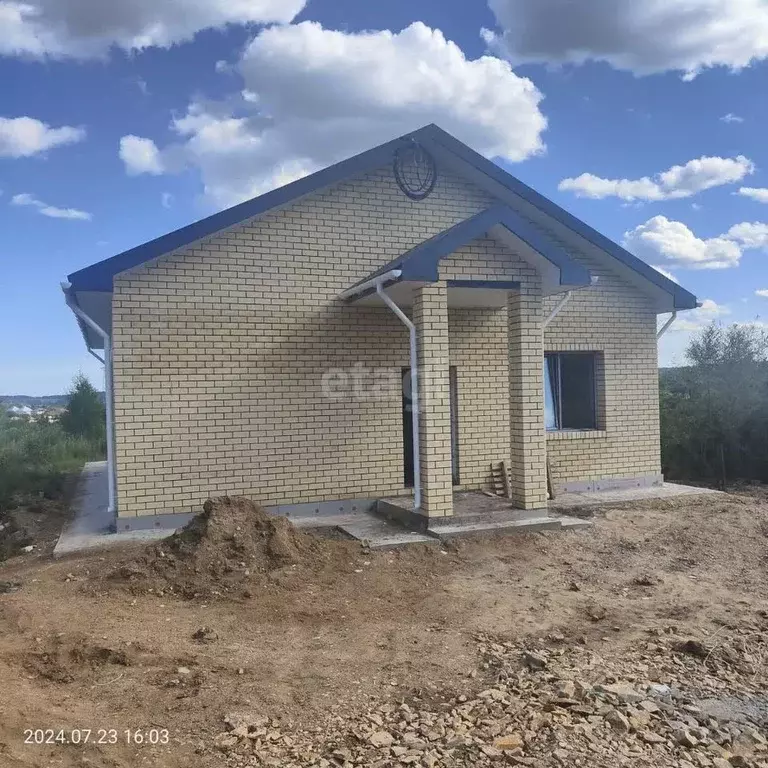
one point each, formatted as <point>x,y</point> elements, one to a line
<point>497,263</point>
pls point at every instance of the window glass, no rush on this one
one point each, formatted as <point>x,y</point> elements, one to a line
<point>550,377</point>
<point>577,391</point>
<point>569,391</point>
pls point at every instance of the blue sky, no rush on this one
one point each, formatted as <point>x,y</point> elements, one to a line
<point>118,124</point>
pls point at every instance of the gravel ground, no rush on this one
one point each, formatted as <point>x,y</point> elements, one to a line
<point>639,642</point>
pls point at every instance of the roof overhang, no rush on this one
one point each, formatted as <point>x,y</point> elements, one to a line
<point>421,265</point>
<point>98,306</point>
<point>462,294</point>
<point>667,295</point>
<point>92,286</point>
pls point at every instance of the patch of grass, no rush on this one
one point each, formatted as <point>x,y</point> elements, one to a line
<point>36,457</point>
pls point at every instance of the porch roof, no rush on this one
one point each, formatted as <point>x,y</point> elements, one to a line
<point>420,265</point>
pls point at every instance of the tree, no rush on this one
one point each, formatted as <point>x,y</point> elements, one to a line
<point>84,415</point>
<point>714,413</point>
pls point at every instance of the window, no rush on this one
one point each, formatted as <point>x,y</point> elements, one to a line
<point>569,390</point>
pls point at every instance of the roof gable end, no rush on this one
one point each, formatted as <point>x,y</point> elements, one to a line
<point>463,159</point>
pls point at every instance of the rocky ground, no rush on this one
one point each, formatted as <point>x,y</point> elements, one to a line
<point>672,701</point>
<point>640,642</point>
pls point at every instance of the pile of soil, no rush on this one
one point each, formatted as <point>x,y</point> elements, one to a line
<point>223,550</point>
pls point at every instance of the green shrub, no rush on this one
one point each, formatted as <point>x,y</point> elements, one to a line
<point>37,456</point>
<point>714,412</point>
<point>84,415</point>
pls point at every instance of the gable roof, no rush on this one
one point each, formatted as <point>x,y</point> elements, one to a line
<point>683,299</point>
<point>99,276</point>
<point>422,261</point>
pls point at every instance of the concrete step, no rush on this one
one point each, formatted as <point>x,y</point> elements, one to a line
<point>453,529</point>
<point>379,534</point>
<point>326,521</point>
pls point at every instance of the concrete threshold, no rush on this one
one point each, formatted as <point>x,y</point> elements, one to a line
<point>457,528</point>
<point>368,529</point>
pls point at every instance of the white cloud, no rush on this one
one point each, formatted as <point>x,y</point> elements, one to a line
<point>25,136</point>
<point>676,244</point>
<point>643,37</point>
<point>166,199</point>
<point>313,96</point>
<point>50,210</point>
<point>677,182</point>
<point>140,156</point>
<point>695,319</point>
<point>89,28</point>
<point>750,234</point>
<point>731,118</point>
<point>763,292</point>
<point>589,185</point>
<point>756,193</point>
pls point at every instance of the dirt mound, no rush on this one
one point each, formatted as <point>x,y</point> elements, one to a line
<point>231,544</point>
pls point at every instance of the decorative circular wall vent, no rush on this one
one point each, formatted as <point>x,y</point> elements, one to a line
<point>415,171</point>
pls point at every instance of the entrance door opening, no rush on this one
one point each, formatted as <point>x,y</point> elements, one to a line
<point>408,427</point>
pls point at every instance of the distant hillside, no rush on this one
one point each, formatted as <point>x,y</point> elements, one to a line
<point>43,401</point>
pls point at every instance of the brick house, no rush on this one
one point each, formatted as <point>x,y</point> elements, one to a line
<point>270,350</point>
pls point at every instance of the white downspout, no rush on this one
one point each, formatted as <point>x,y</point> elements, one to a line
<point>414,391</point>
<point>377,283</point>
<point>110,405</point>
<point>666,325</point>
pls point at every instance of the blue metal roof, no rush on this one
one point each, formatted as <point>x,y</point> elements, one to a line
<point>422,262</point>
<point>682,299</point>
<point>99,276</point>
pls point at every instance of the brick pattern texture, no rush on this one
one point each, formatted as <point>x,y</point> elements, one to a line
<point>430,316</point>
<point>227,357</point>
<point>528,478</point>
<point>619,323</point>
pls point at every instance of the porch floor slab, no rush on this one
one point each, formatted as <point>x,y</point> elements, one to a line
<point>474,506</point>
<point>571,501</point>
<point>477,512</point>
<point>381,534</point>
<point>462,527</point>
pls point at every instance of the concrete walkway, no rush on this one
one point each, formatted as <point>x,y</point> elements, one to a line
<point>93,525</point>
<point>566,501</point>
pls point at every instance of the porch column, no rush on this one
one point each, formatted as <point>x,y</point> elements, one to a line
<point>527,466</point>
<point>430,316</point>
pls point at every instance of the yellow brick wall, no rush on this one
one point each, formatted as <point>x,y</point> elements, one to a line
<point>616,320</point>
<point>220,352</point>
<point>430,316</point>
<point>479,349</point>
<point>611,318</point>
